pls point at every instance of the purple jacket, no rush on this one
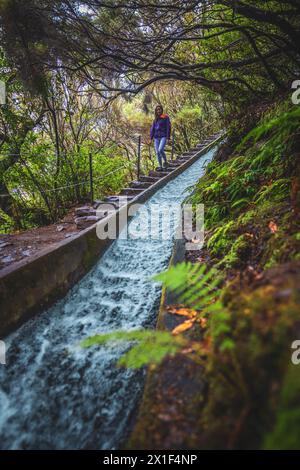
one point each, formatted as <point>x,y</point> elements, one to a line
<point>161,127</point>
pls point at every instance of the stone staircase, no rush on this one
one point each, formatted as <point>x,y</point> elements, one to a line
<point>88,215</point>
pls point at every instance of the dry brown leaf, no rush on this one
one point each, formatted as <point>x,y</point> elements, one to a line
<point>187,351</point>
<point>273,227</point>
<point>183,327</point>
<point>202,322</point>
<point>185,312</point>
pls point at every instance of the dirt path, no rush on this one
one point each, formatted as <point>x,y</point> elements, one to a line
<point>18,246</point>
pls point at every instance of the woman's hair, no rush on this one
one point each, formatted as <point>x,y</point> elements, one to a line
<point>156,108</point>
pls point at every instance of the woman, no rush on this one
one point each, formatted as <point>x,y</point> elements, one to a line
<point>160,132</point>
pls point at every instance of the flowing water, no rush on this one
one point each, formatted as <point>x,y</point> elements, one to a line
<point>56,395</point>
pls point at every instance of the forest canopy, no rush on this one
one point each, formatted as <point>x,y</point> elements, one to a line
<point>83,76</point>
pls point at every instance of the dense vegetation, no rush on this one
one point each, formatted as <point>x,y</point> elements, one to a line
<point>73,80</point>
<point>83,77</point>
<point>253,237</point>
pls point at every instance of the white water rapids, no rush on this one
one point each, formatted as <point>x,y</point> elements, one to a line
<point>56,395</point>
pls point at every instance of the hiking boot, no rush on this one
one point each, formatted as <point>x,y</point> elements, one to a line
<point>165,164</point>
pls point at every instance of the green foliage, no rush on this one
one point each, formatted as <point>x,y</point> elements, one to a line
<point>147,347</point>
<point>6,223</point>
<point>43,195</point>
<point>220,238</point>
<point>277,125</point>
<point>235,257</point>
<point>243,194</point>
<point>251,228</point>
<point>285,434</point>
<point>194,284</point>
<point>277,190</point>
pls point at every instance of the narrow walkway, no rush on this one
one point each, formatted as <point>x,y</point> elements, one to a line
<point>88,215</point>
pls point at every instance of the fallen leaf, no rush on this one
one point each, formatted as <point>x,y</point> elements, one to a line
<point>183,327</point>
<point>187,351</point>
<point>185,312</point>
<point>202,322</point>
<point>273,227</point>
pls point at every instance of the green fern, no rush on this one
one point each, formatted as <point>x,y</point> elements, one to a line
<point>221,238</point>
<point>147,347</point>
<point>194,285</point>
<point>277,191</point>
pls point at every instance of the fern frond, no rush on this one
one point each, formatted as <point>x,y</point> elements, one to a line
<point>194,284</point>
<point>147,347</point>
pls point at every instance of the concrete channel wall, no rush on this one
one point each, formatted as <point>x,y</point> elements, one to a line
<point>31,285</point>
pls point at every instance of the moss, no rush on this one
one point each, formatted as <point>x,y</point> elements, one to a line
<point>280,248</point>
<point>221,238</point>
<point>238,252</point>
<point>286,431</point>
<point>245,378</point>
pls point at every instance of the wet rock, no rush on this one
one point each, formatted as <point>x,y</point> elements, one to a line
<point>26,253</point>
<point>4,244</point>
<point>7,259</point>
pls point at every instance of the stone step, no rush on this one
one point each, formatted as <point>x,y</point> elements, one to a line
<point>150,179</point>
<point>141,184</point>
<point>118,199</point>
<point>168,169</point>
<point>159,174</point>
<point>87,221</point>
<point>98,204</point>
<point>183,159</point>
<point>85,211</point>
<point>188,154</point>
<point>136,187</point>
<point>131,191</point>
